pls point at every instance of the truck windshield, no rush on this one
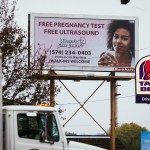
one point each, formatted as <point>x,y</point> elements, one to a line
<point>41,127</point>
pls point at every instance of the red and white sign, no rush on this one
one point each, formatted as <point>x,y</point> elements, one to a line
<point>142,82</point>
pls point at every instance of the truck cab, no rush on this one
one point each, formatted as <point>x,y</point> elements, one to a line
<point>36,128</point>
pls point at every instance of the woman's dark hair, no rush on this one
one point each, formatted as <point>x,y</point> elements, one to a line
<point>126,24</point>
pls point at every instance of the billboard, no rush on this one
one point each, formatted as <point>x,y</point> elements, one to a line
<point>81,42</point>
<point>143,80</point>
<point>145,140</point>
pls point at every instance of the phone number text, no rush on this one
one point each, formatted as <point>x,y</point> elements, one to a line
<point>69,52</point>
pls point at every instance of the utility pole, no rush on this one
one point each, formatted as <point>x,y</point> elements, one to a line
<point>1,103</point>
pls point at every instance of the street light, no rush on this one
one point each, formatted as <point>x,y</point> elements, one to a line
<point>125,1</point>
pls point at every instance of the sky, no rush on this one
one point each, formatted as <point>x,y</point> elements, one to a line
<point>99,104</point>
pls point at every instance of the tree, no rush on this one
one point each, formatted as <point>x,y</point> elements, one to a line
<point>129,135</point>
<point>17,89</point>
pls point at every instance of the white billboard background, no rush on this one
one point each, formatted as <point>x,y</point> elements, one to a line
<point>70,45</point>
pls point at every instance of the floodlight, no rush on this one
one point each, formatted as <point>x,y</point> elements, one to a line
<point>125,1</point>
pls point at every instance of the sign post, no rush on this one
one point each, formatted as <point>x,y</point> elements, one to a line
<point>113,111</point>
<point>52,91</point>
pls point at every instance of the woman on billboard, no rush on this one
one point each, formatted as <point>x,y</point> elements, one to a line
<point>120,44</point>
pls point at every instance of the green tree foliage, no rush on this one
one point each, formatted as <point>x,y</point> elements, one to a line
<point>17,89</point>
<point>129,135</point>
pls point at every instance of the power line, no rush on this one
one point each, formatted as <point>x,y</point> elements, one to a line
<point>139,8</point>
<point>96,100</point>
<point>143,49</point>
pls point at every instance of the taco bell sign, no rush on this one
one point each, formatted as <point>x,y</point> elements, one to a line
<point>142,84</point>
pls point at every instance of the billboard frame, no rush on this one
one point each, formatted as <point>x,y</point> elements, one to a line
<point>31,43</point>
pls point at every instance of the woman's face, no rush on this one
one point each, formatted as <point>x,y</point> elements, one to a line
<point>121,40</point>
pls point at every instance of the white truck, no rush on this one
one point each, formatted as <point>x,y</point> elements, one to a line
<point>36,128</point>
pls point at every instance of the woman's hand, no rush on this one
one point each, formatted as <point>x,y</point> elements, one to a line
<point>107,59</point>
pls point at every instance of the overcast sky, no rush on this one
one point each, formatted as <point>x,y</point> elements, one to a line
<point>99,104</point>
